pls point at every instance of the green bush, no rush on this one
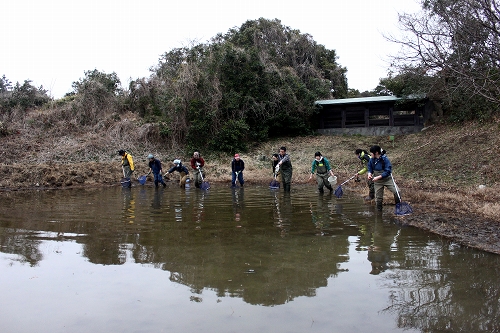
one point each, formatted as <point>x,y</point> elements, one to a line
<point>255,82</point>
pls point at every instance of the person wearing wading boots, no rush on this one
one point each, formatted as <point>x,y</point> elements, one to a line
<point>155,167</point>
<point>364,158</point>
<point>379,171</point>
<point>237,167</point>
<point>127,165</point>
<point>197,163</point>
<point>183,172</point>
<point>285,168</point>
<point>321,166</point>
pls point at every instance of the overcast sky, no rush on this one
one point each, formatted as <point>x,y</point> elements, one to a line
<point>52,42</point>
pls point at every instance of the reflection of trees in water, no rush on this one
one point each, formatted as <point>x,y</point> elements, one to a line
<point>448,291</point>
<point>103,245</point>
<point>275,273</point>
<point>25,244</point>
<point>252,262</point>
<point>99,250</point>
<point>432,287</point>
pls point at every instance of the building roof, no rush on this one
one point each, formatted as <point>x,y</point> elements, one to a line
<point>375,99</point>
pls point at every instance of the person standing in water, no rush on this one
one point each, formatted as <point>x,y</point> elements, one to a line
<point>285,168</point>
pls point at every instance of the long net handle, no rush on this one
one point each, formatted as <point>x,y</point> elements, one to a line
<point>396,186</point>
<point>201,175</point>
<point>348,180</point>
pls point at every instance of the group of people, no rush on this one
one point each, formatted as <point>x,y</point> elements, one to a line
<point>375,163</point>
<point>197,163</point>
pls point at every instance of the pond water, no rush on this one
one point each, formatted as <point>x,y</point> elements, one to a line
<point>231,260</point>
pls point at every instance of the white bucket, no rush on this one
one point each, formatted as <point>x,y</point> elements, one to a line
<point>332,180</point>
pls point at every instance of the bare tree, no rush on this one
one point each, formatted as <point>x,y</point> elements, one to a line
<point>455,41</point>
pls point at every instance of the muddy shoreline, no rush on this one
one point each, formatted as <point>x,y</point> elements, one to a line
<point>459,225</point>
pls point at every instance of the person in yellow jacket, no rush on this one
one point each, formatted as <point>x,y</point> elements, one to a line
<point>364,158</point>
<point>127,163</point>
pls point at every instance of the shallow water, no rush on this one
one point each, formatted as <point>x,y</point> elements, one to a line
<point>231,260</point>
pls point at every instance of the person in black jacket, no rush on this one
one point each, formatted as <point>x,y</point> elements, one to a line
<point>155,168</point>
<point>237,167</point>
<point>285,168</point>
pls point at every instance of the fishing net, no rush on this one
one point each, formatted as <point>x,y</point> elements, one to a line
<point>403,208</point>
<point>204,185</point>
<point>142,180</point>
<point>338,192</point>
<point>274,184</point>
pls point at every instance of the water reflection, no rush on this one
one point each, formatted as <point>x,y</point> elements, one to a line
<point>263,246</point>
<point>237,195</point>
<point>282,212</point>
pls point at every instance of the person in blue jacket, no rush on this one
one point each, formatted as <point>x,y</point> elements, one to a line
<point>379,171</point>
<point>237,167</point>
<point>183,172</point>
<point>155,168</point>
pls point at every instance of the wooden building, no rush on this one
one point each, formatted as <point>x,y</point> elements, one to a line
<point>371,115</point>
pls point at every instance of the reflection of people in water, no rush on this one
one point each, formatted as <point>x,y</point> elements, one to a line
<point>237,195</point>
<point>320,216</point>
<point>379,251</point>
<point>379,258</point>
<point>199,210</point>
<point>128,206</point>
<point>156,204</point>
<point>283,213</point>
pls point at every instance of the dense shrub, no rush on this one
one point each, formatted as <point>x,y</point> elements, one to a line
<point>96,94</point>
<point>252,83</point>
<point>20,96</point>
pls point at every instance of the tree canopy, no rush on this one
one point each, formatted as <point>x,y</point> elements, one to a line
<point>451,52</point>
<point>254,82</point>
<point>21,96</point>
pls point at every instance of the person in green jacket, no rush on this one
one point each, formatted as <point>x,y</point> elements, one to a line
<point>364,158</point>
<point>321,166</point>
